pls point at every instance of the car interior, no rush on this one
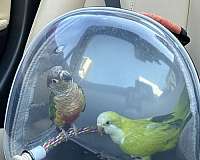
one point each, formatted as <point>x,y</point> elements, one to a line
<point>21,21</point>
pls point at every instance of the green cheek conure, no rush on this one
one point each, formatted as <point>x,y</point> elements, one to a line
<point>67,99</point>
<point>145,137</point>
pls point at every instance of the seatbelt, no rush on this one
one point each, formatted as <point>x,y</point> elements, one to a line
<point>113,3</point>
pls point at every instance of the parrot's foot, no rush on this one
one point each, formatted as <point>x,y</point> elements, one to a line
<point>146,158</point>
<point>140,158</point>
<point>136,157</point>
<point>65,134</point>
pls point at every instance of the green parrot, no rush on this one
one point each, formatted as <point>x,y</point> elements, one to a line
<point>66,100</point>
<point>145,137</point>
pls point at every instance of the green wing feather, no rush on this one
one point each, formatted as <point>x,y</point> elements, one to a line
<point>144,138</point>
<point>182,109</point>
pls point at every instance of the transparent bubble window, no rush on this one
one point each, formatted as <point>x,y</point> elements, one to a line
<point>110,69</point>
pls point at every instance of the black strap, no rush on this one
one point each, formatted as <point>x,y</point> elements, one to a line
<point>183,37</point>
<point>113,3</point>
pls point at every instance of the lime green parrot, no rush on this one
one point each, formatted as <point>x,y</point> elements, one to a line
<point>145,137</point>
<point>66,100</point>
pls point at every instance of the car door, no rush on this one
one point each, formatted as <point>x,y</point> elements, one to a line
<point>16,18</point>
<point>4,19</point>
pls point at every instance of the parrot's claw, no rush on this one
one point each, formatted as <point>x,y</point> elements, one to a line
<point>140,158</point>
<point>65,134</point>
<point>75,129</point>
<point>146,158</point>
<point>136,157</point>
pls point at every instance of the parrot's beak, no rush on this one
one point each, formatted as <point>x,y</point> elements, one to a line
<point>100,130</point>
<point>100,124</point>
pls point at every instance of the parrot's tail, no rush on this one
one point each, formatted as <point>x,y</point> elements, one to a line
<point>182,111</point>
<point>181,114</point>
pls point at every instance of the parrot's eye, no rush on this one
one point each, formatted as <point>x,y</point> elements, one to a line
<point>108,122</point>
<point>54,81</point>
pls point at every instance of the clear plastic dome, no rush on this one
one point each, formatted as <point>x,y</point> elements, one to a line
<point>107,68</point>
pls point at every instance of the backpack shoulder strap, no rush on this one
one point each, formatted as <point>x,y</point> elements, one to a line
<point>113,3</point>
